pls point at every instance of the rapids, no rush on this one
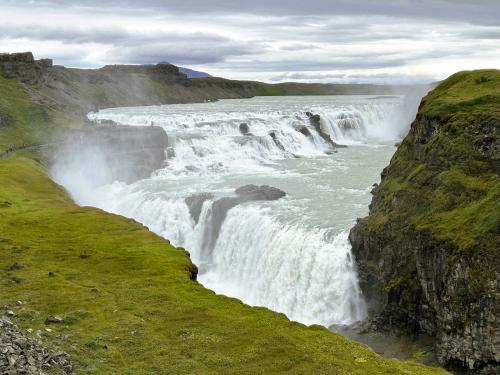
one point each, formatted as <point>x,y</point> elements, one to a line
<point>289,254</point>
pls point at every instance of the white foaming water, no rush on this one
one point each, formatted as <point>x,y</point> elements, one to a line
<point>291,255</point>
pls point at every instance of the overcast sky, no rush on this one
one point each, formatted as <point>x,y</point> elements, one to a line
<point>382,41</point>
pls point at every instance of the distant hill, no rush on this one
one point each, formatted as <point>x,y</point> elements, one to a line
<point>190,73</point>
<point>193,73</point>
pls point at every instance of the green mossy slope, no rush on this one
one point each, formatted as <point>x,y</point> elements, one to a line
<point>126,295</point>
<point>449,164</point>
<point>429,251</point>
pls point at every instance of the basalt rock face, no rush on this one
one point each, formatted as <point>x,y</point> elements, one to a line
<point>104,154</point>
<point>428,253</point>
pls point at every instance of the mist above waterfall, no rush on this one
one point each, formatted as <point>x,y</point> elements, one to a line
<point>290,254</point>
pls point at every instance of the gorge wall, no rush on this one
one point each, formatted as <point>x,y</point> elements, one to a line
<point>428,253</point>
<point>107,153</point>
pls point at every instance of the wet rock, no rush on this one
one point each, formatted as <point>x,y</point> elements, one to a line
<point>304,130</point>
<point>331,152</point>
<point>170,152</point>
<point>336,145</point>
<point>259,193</point>
<point>221,207</point>
<point>195,204</point>
<point>244,128</point>
<point>315,121</point>
<point>275,139</point>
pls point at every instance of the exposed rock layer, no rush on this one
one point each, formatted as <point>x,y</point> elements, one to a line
<point>23,67</point>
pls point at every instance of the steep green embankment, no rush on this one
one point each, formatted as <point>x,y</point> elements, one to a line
<point>126,296</point>
<point>429,251</point>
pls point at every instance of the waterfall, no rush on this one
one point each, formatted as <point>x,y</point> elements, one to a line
<point>292,254</point>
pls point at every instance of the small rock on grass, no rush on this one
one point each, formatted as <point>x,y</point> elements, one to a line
<point>53,319</point>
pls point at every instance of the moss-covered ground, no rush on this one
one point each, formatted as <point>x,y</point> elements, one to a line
<point>126,296</point>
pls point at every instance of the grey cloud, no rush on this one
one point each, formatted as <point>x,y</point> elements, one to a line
<point>357,60</point>
<point>178,52</point>
<point>483,33</point>
<point>474,11</point>
<point>298,47</point>
<point>140,48</point>
<point>376,78</point>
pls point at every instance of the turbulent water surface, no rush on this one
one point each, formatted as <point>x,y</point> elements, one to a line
<point>291,254</point>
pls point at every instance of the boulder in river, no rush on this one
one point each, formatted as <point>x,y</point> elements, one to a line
<point>221,207</point>
<point>244,128</point>
<point>315,120</point>
<point>195,204</point>
<point>276,141</point>
<point>304,130</point>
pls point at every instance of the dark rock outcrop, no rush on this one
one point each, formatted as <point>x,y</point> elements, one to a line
<point>428,254</point>
<point>315,120</point>
<point>304,130</point>
<point>276,141</point>
<point>195,204</point>
<point>23,67</point>
<point>113,153</point>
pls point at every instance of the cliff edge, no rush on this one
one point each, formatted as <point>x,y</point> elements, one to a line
<point>429,251</point>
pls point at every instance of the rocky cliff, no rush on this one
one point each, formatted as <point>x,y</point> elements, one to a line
<point>79,91</point>
<point>23,67</point>
<point>111,153</point>
<point>429,251</point>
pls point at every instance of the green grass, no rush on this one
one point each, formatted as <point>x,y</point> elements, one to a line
<point>129,304</point>
<point>478,90</point>
<point>264,89</point>
<point>26,121</point>
<point>126,295</point>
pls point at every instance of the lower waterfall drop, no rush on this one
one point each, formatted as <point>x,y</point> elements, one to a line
<point>290,254</point>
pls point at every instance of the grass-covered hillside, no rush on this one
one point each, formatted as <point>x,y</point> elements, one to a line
<point>126,296</point>
<point>429,251</point>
